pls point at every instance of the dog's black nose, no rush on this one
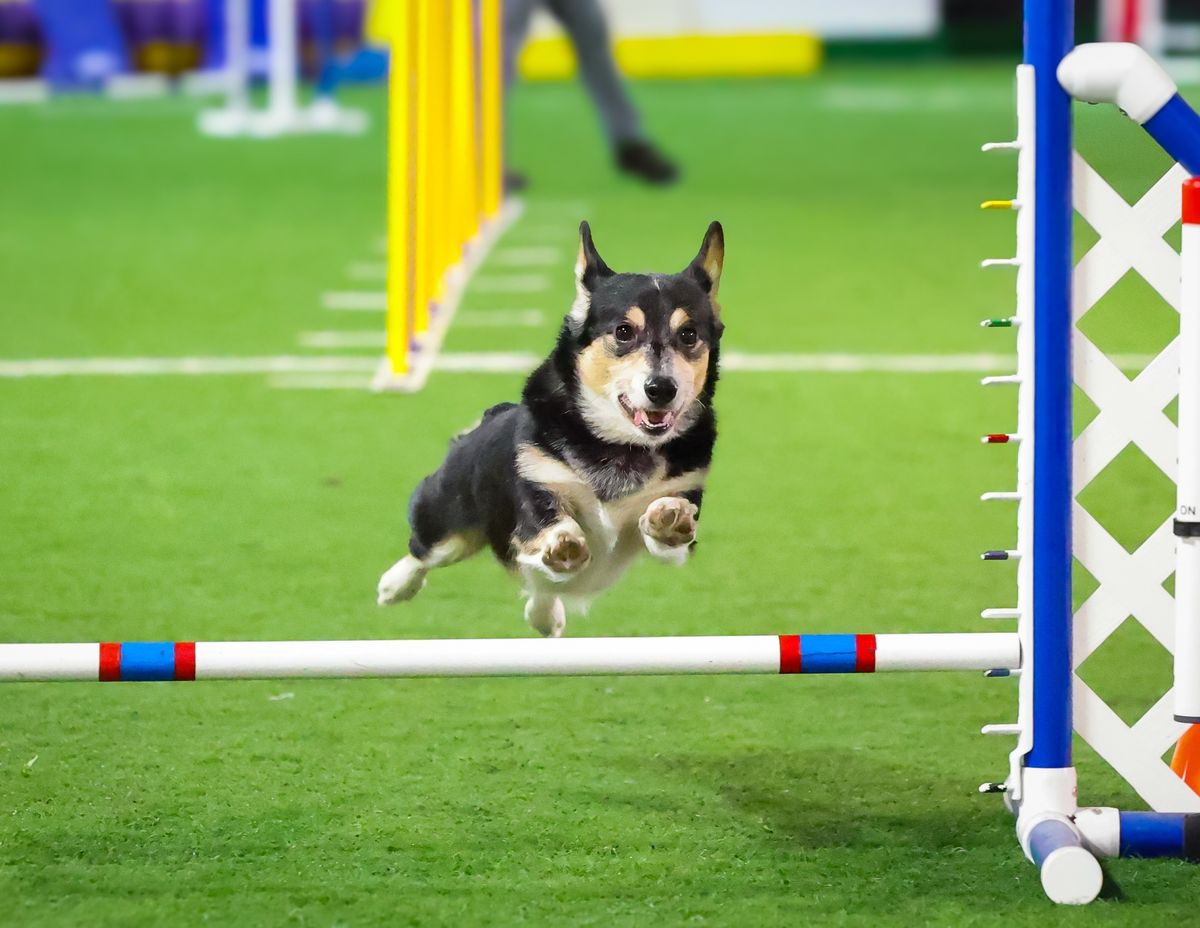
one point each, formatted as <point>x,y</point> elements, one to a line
<point>660,390</point>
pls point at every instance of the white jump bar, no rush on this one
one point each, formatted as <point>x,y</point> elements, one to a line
<point>738,654</point>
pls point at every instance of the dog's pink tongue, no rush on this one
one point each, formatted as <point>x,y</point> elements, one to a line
<point>655,418</point>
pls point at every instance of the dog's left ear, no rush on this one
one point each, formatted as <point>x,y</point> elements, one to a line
<point>589,270</point>
<point>705,268</point>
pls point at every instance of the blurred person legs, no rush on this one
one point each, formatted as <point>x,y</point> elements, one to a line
<point>584,23</point>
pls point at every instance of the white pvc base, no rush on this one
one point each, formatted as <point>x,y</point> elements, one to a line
<point>34,90</point>
<point>1072,876</point>
<point>321,117</point>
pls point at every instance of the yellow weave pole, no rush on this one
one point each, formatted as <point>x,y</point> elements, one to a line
<point>403,83</point>
<point>462,124</point>
<point>491,94</point>
<point>441,223</point>
<point>427,271</point>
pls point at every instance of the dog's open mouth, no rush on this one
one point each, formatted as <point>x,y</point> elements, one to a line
<point>650,421</point>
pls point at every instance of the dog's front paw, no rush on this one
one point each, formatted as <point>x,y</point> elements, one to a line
<point>559,552</point>
<point>669,527</point>
<point>670,521</point>
<point>565,550</point>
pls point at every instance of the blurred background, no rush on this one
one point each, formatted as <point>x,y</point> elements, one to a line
<point>197,286</point>
<point>92,43</point>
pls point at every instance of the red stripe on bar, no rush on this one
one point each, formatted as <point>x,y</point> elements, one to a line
<point>789,653</point>
<point>864,654</point>
<point>1130,20</point>
<point>185,660</point>
<point>110,662</point>
<point>1191,201</point>
<point>996,439</point>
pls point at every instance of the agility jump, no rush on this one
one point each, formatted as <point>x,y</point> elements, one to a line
<point>507,657</point>
<point>1040,787</point>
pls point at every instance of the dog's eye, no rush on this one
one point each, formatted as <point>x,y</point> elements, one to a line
<point>688,336</point>
<point>625,332</point>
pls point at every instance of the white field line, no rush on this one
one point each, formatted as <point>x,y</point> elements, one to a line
<point>511,283</point>
<point>506,363</point>
<point>359,382</point>
<point>501,318</point>
<point>536,234</point>
<point>186,366</point>
<point>489,362</point>
<point>355,300</point>
<point>367,270</point>
<point>527,256</point>
<point>855,363</point>
<point>467,319</point>
<point>340,339</point>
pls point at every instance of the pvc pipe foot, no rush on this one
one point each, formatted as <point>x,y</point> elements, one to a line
<point>1070,874</point>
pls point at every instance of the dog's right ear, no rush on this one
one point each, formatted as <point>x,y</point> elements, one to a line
<point>590,269</point>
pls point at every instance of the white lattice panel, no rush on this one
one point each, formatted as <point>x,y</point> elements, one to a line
<point>1130,411</point>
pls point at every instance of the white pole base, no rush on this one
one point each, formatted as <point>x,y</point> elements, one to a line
<point>1072,876</point>
<point>323,117</point>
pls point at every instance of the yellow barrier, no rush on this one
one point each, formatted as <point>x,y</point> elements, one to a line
<point>675,56</point>
<point>444,158</point>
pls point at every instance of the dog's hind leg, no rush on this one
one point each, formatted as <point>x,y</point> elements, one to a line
<point>546,615</point>
<point>406,578</point>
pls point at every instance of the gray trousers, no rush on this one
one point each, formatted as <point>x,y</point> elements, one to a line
<point>583,21</point>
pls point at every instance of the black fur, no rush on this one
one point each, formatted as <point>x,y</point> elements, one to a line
<point>478,489</point>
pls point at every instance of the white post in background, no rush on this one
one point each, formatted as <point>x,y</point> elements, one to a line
<point>233,117</point>
<point>282,64</point>
<point>1187,514</point>
<point>283,114</point>
<point>237,54</point>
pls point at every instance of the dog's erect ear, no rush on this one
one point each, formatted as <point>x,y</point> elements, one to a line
<point>589,270</point>
<point>705,268</point>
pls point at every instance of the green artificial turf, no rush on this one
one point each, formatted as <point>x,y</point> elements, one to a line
<point>221,508</point>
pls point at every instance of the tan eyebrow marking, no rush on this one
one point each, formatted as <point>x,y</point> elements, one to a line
<point>635,316</point>
<point>679,319</point>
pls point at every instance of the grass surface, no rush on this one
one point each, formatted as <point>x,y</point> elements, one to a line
<point>213,508</point>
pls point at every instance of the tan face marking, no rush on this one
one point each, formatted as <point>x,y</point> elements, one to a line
<point>636,317</point>
<point>598,368</point>
<point>697,369</point>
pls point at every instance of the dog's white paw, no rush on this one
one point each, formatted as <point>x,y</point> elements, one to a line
<point>669,527</point>
<point>403,580</point>
<point>546,615</point>
<point>559,552</point>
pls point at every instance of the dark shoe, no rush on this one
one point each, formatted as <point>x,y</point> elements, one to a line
<point>643,160</point>
<point>515,181</point>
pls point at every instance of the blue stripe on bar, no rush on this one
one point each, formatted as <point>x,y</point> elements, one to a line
<point>828,653</point>
<point>1152,834</point>
<point>148,660</point>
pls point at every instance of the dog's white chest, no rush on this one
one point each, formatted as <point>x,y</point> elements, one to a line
<point>609,524</point>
